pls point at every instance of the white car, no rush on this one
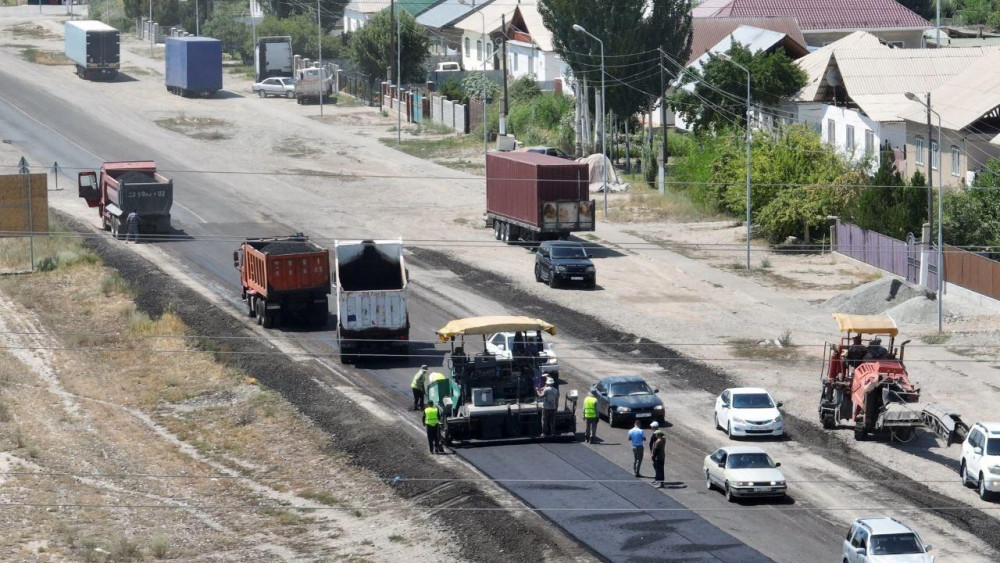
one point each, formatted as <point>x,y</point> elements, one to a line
<point>884,540</point>
<point>748,411</point>
<point>981,458</point>
<point>744,471</point>
<point>275,87</point>
<point>500,344</point>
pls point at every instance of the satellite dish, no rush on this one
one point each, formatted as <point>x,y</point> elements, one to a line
<point>833,78</point>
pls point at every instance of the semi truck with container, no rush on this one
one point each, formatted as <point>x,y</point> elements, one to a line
<point>123,187</point>
<point>534,197</point>
<point>193,66</point>
<point>272,56</point>
<point>371,281</point>
<point>284,279</point>
<point>94,47</point>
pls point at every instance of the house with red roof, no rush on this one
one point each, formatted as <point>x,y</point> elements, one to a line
<point>824,21</point>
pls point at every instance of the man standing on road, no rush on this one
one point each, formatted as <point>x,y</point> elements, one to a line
<point>658,450</point>
<point>637,438</point>
<point>418,388</point>
<point>550,402</point>
<point>590,418</point>
<point>132,223</point>
<point>431,423</point>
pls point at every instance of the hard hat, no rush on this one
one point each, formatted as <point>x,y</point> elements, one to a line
<point>423,366</point>
<point>550,381</point>
<point>654,424</point>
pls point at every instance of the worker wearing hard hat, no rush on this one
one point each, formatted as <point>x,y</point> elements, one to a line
<point>431,421</point>
<point>658,451</point>
<point>417,385</point>
<point>590,418</point>
<point>550,402</point>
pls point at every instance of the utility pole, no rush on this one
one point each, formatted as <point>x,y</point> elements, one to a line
<point>150,28</point>
<point>197,19</point>
<point>392,20</point>
<point>503,110</point>
<point>930,155</point>
<point>23,169</point>
<point>664,154</point>
<point>322,75</point>
<point>399,92</point>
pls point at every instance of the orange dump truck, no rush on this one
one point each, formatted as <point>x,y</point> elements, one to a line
<point>284,279</point>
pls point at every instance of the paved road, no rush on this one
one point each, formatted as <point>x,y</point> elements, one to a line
<point>643,534</point>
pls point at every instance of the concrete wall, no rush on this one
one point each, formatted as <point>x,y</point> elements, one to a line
<point>910,38</point>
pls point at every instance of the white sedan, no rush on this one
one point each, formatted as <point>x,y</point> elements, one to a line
<point>275,87</point>
<point>501,343</point>
<point>748,411</point>
<point>744,471</point>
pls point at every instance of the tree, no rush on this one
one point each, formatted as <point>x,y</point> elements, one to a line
<point>332,10</point>
<point>888,205</point>
<point>972,215</point>
<point>632,30</point>
<point>923,8</point>
<point>714,98</point>
<point>235,35</point>
<point>370,48</point>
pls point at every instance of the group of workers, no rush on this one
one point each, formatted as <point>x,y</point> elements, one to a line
<point>657,450</point>
<point>432,418</point>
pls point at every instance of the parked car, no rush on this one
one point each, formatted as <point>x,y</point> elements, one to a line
<point>551,151</point>
<point>501,343</point>
<point>626,398</point>
<point>275,87</point>
<point>748,411</point>
<point>744,471</point>
<point>884,540</point>
<point>448,67</point>
<point>557,262</point>
<point>981,458</point>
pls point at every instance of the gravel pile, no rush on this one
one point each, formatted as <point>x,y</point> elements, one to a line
<point>874,298</point>
<point>921,310</point>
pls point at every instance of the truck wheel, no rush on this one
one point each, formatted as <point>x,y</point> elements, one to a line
<point>258,305</point>
<point>538,273</point>
<point>496,229</point>
<point>268,319</point>
<point>859,433</point>
<point>250,312</point>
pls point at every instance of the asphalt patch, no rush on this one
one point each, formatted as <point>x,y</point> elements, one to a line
<point>697,375</point>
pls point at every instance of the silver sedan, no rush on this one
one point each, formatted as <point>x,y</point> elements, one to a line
<point>275,87</point>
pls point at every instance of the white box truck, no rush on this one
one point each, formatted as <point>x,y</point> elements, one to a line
<point>272,57</point>
<point>371,283</point>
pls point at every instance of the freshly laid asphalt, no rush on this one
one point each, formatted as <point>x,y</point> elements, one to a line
<point>619,517</point>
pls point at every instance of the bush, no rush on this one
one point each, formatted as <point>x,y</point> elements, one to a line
<point>452,90</point>
<point>523,89</point>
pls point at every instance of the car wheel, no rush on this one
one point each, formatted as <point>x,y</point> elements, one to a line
<point>717,425</point>
<point>983,493</point>
<point>553,283</point>
<point>538,273</point>
<point>729,493</point>
<point>611,417</point>
<point>964,472</point>
<point>708,481</point>
<point>261,94</point>
<point>289,95</point>
<point>729,431</point>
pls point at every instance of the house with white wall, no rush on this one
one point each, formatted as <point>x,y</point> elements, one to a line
<point>856,88</point>
<point>358,12</point>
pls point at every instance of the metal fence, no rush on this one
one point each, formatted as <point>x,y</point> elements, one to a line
<point>358,85</point>
<point>875,249</point>
<point>971,271</point>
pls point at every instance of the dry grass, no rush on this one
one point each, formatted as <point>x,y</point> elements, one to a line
<point>642,205</point>
<point>49,58</point>
<point>30,30</point>
<point>761,349</point>
<point>202,128</point>
<point>297,147</point>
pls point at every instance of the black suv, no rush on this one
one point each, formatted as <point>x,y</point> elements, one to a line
<point>562,261</point>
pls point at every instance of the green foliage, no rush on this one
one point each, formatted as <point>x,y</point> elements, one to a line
<point>370,48</point>
<point>923,8</point>
<point>719,97</point>
<point>332,10</point>
<point>452,90</point>
<point>236,36</point>
<point>523,89</point>
<point>893,210</point>
<point>475,84</point>
<point>650,170</point>
<point>546,119</point>
<point>168,12</point>
<point>972,215</point>
<point>625,26</point>
<point>979,12</point>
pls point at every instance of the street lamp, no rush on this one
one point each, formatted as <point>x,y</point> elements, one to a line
<point>604,129</point>
<point>727,58</point>
<point>486,143</point>
<point>940,281</point>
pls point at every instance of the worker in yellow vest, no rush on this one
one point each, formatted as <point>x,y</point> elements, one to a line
<point>431,423</point>
<point>590,418</point>
<point>417,385</point>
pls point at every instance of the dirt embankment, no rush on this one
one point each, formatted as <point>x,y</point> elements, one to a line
<point>354,438</point>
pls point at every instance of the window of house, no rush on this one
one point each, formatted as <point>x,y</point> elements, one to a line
<point>956,161</point>
<point>468,51</point>
<point>479,50</point>
<point>869,142</point>
<point>489,50</point>
<point>918,150</point>
<point>831,131</point>
<point>850,138</point>
<point>935,156</point>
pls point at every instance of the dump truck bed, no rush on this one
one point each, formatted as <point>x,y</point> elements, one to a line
<point>285,266</point>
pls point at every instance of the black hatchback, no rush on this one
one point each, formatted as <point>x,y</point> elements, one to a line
<point>559,262</point>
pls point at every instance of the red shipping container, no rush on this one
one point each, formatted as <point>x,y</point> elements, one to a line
<point>519,183</point>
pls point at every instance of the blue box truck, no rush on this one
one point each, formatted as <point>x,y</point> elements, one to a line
<point>95,48</point>
<point>194,66</point>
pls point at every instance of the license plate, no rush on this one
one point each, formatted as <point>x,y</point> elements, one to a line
<point>577,278</point>
<point>644,415</point>
<point>762,489</point>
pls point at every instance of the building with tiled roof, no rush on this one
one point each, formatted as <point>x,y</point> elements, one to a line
<point>707,32</point>
<point>825,21</point>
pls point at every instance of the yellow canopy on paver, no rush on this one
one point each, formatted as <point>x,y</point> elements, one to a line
<point>866,324</point>
<point>490,325</point>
